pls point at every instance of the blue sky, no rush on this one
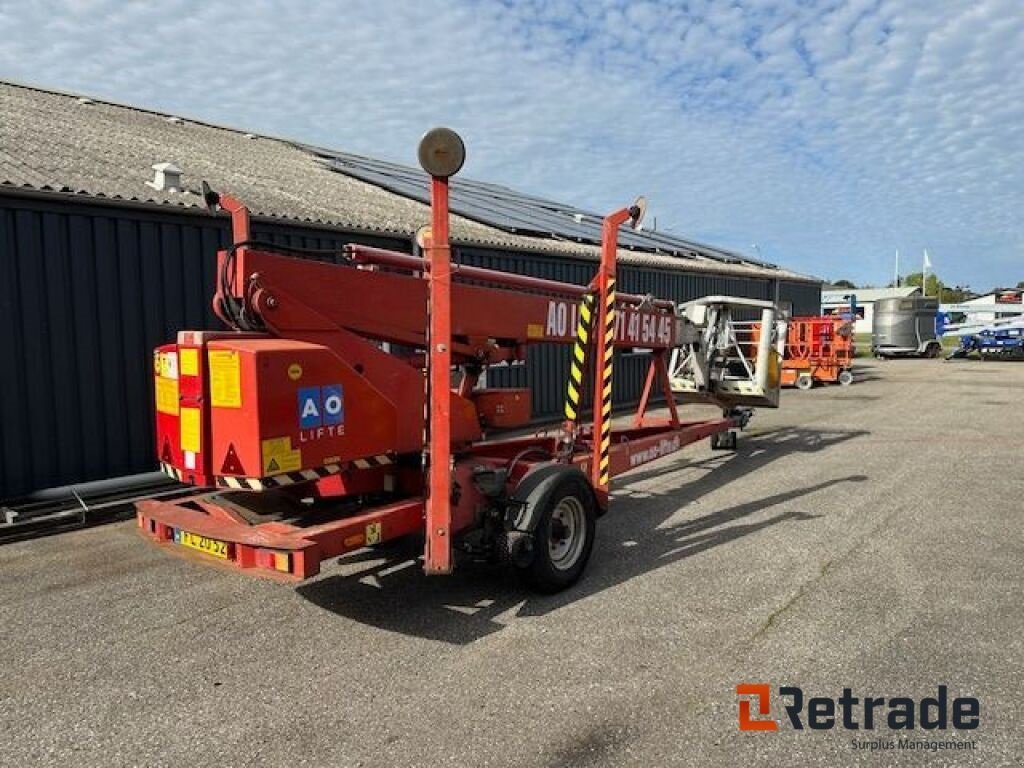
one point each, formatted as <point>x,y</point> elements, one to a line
<point>829,133</point>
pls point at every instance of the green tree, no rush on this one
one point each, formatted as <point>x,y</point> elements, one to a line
<point>956,294</point>
<point>843,284</point>
<point>933,286</point>
<point>938,289</point>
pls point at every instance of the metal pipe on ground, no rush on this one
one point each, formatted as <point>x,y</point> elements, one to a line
<point>53,510</point>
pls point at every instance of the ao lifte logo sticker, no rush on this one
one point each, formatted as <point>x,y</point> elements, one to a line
<point>321,406</point>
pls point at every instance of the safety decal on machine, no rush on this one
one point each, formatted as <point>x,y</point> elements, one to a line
<point>166,395</point>
<point>171,471</point>
<point>579,358</point>
<point>373,534</point>
<point>302,475</point>
<point>188,362</point>
<point>166,364</point>
<point>606,385</point>
<point>279,456</point>
<point>189,430</point>
<point>225,378</point>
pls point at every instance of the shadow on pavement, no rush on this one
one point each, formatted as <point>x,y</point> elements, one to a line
<point>859,398</point>
<point>634,538</point>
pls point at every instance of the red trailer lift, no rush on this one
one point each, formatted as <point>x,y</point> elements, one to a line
<point>343,408</point>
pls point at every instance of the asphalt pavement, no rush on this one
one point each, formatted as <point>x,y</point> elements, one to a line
<point>866,537</point>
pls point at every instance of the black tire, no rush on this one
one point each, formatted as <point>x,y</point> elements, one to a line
<point>845,378</point>
<point>723,441</point>
<point>556,565</point>
<point>804,382</point>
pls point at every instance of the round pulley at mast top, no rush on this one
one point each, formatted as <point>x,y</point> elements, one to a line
<point>441,152</point>
<point>636,213</point>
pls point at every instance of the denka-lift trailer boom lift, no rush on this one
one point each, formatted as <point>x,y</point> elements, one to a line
<point>327,421</point>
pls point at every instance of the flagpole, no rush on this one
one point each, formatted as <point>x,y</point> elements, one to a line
<point>924,273</point>
<point>897,281</point>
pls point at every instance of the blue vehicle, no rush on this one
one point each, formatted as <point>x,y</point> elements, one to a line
<point>994,342</point>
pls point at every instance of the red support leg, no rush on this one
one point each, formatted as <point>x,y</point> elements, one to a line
<point>666,385</point>
<point>641,409</point>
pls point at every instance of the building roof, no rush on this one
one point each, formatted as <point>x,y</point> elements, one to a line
<point>1010,296</point>
<point>988,298</point>
<point>64,143</point>
<point>867,295</point>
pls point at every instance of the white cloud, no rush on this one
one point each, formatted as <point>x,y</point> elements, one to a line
<point>828,134</point>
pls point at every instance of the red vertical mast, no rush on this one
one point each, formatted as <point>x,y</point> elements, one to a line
<point>441,153</point>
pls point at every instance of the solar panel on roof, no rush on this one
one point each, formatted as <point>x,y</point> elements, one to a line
<point>516,212</point>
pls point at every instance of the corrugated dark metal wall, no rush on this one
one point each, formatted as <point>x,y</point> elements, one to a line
<point>87,290</point>
<point>804,298</point>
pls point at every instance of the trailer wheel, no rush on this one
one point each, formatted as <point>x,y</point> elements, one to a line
<point>564,536</point>
<point>804,381</point>
<point>845,378</point>
<point>724,441</point>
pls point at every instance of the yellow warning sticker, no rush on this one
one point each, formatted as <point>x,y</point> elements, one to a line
<point>279,456</point>
<point>188,362</point>
<point>167,395</point>
<point>225,378</point>
<point>534,331</point>
<point>294,371</point>
<point>373,534</point>
<point>189,426</point>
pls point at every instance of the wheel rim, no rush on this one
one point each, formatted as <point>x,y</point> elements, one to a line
<point>567,532</point>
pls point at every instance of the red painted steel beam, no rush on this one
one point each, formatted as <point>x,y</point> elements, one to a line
<point>391,306</point>
<point>240,230</point>
<point>438,554</point>
<point>604,335</point>
<point>364,254</point>
<point>644,446</point>
<point>254,546</point>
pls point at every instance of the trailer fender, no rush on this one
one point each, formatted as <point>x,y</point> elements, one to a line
<point>526,505</point>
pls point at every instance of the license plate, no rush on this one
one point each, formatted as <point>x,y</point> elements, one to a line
<point>203,544</point>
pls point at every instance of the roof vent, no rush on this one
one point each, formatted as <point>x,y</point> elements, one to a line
<point>167,178</point>
<point>250,135</point>
<point>578,217</point>
<point>175,119</point>
<point>85,101</point>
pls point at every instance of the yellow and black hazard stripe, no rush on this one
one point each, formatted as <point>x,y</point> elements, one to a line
<point>172,472</point>
<point>578,365</point>
<point>606,384</point>
<point>301,476</point>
